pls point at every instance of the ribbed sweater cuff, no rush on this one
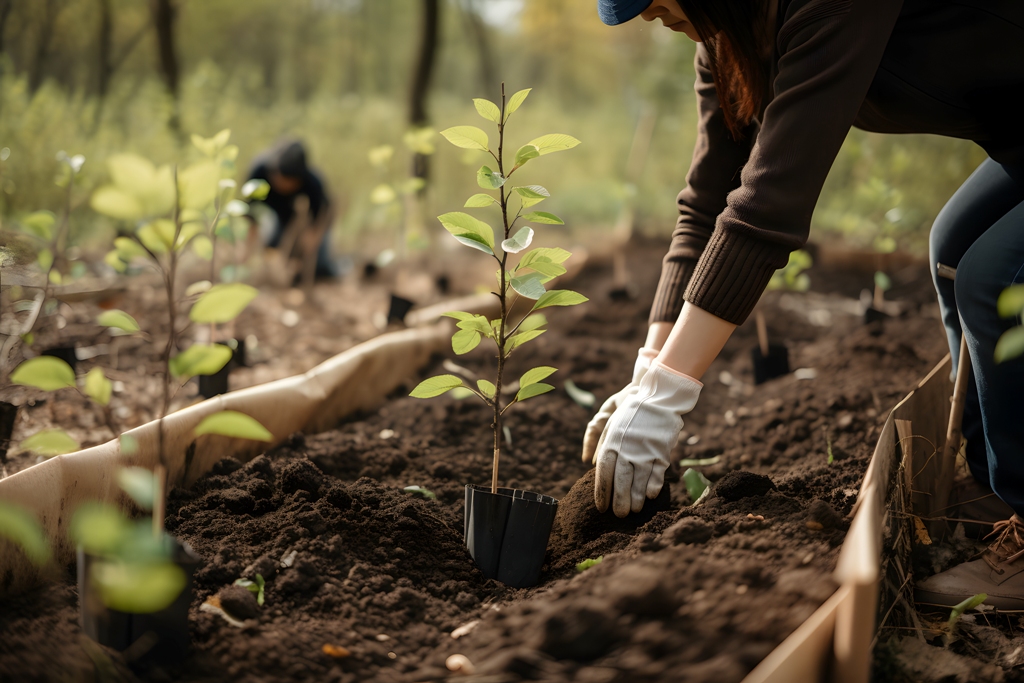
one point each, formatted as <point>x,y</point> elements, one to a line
<point>732,274</point>
<point>668,300</point>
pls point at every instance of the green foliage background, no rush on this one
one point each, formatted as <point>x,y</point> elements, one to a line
<point>337,72</point>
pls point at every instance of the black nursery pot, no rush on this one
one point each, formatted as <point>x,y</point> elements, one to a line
<point>399,309</point>
<point>217,383</point>
<point>8,416</point>
<point>775,364</point>
<point>507,532</point>
<point>873,315</point>
<point>165,633</point>
<point>65,353</point>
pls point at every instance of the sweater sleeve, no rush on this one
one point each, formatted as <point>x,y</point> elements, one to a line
<point>829,53</point>
<point>714,172</point>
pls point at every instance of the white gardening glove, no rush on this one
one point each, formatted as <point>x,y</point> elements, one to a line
<point>634,450</point>
<point>596,425</point>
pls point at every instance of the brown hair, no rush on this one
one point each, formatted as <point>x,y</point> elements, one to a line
<point>735,37</point>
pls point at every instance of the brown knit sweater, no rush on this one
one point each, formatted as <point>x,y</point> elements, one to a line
<point>948,67</point>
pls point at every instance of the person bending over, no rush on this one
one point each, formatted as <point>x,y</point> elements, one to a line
<point>779,84</point>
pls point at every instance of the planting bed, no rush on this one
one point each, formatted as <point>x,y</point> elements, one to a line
<point>683,593</point>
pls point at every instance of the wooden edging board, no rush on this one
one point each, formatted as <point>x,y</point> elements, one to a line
<point>834,644</point>
<point>357,379</point>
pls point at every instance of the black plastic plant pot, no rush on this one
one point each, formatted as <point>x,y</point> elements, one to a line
<point>158,637</point>
<point>65,353</point>
<point>399,309</point>
<point>775,364</point>
<point>443,284</point>
<point>507,533</point>
<point>873,315</point>
<point>8,416</point>
<point>217,383</point>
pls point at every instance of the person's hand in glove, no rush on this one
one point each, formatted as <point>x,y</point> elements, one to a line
<point>633,452</point>
<point>596,425</point>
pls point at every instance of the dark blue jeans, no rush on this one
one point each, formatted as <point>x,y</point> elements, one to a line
<point>980,232</point>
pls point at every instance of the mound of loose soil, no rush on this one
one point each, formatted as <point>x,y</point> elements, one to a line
<point>688,593</point>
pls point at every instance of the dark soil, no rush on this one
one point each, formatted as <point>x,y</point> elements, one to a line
<point>683,593</point>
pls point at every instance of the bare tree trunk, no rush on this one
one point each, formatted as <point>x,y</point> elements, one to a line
<point>485,55</point>
<point>38,72</point>
<point>422,77</point>
<point>104,45</point>
<point>164,13</point>
<point>5,12</point>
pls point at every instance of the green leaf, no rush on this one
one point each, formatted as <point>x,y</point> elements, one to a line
<point>535,389</point>
<point>549,254</point>
<point>40,224</point>
<point>882,281</point>
<point>118,319</point>
<point>533,322</point>
<point>116,203</point>
<point>157,236</point>
<point>543,217</point>
<point>525,153</point>
<point>44,372</point>
<point>138,587</point>
<point>198,184</point>
<point>1011,301</point>
<point>519,241</point>
<point>49,442</point>
<point>127,248</point>
<point>479,200</point>
<point>549,270</point>
<point>478,323</point>
<point>531,194</point>
<point>222,303</point>
<point>488,179</point>
<point>559,297</point>
<point>465,341</point>
<point>580,396</point>
<point>98,527</point>
<point>466,137</point>
<point>529,285</point>
<point>1010,345</point>
<point>487,109</point>
<point>535,375</point>
<point>234,424</point>
<point>696,484</point>
<point>419,490</point>
<point>516,101</point>
<point>256,189</point>
<point>521,338</point>
<point>587,564</point>
<point>970,603</point>
<point>140,485</point>
<point>469,231</point>
<point>435,386</point>
<point>486,388</point>
<point>200,359</point>
<point>98,387</point>
<point>459,393</point>
<point>21,527</point>
<point>554,142</point>
<point>202,247</point>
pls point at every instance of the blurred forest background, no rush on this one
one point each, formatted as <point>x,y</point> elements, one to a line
<point>97,77</point>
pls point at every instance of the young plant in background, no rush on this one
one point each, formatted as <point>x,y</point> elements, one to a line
<point>526,280</point>
<point>772,360</point>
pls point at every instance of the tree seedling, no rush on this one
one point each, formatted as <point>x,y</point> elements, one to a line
<point>527,279</point>
<point>697,485</point>
<point>772,360</point>
<point>587,564</point>
<point>419,490</point>
<point>255,587</point>
<point>958,611</point>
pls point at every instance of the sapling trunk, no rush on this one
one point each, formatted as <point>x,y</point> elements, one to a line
<point>762,334</point>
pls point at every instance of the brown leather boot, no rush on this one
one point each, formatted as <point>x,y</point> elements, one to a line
<point>999,573</point>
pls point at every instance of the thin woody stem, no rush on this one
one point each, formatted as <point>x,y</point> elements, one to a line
<point>502,298</point>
